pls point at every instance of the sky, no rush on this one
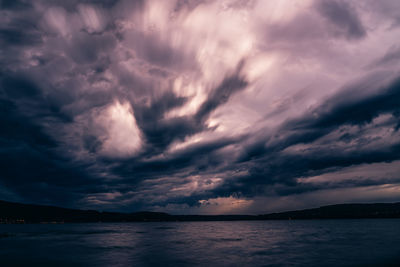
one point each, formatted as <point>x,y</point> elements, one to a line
<point>199,107</point>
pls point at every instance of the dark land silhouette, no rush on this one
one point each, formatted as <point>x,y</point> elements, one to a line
<point>28,213</point>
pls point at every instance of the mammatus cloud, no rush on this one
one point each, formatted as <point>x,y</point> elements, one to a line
<point>199,106</point>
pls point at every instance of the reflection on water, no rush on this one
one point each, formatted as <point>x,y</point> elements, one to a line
<point>243,243</point>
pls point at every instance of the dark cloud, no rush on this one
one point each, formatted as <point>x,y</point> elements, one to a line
<point>17,4</point>
<point>28,162</point>
<point>221,94</point>
<point>72,5</point>
<point>21,30</point>
<point>194,159</point>
<point>160,132</point>
<point>343,16</point>
<point>77,76</point>
<point>340,110</point>
<point>269,164</point>
<point>12,36</point>
<point>88,49</point>
<point>17,86</point>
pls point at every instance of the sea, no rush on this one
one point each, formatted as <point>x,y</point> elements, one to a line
<point>361,242</point>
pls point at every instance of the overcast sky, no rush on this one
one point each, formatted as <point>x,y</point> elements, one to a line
<point>199,107</point>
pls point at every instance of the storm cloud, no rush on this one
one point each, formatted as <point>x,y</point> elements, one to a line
<point>199,106</point>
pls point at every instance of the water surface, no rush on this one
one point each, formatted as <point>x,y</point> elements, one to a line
<point>374,242</point>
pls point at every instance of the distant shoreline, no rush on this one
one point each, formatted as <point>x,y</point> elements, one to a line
<point>182,221</point>
<point>17,213</point>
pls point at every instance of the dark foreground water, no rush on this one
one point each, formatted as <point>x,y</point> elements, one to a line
<point>244,243</point>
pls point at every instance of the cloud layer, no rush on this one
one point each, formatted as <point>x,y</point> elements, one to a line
<point>199,106</point>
